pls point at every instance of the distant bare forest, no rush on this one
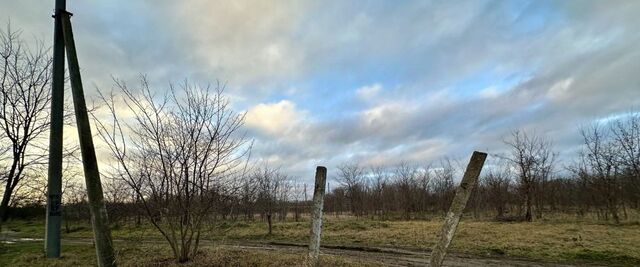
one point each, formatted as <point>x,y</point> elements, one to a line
<point>525,184</point>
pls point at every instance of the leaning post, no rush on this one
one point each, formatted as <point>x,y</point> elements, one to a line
<point>316,216</point>
<point>463,192</point>
<point>99,220</point>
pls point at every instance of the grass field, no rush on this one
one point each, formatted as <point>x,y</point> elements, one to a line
<point>128,254</point>
<point>548,241</point>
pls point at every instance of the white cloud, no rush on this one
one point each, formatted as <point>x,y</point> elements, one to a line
<point>248,43</point>
<point>422,151</point>
<point>275,119</point>
<point>385,118</point>
<point>489,92</point>
<point>369,91</point>
<point>560,90</point>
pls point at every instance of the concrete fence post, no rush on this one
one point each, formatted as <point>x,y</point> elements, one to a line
<point>463,192</point>
<point>316,216</point>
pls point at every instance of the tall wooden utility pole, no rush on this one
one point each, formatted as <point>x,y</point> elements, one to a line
<point>101,232</point>
<point>54,187</point>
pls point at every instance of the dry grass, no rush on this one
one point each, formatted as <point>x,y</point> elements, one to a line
<point>551,241</point>
<point>129,254</point>
<point>545,241</point>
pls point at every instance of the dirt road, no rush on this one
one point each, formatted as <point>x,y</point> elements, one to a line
<point>394,257</point>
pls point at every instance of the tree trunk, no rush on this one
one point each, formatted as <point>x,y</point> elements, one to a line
<point>613,209</point>
<point>4,205</point>
<point>528,216</point>
<point>8,190</point>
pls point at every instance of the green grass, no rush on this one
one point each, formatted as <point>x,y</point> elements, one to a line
<point>31,254</point>
<point>550,241</point>
<point>131,254</point>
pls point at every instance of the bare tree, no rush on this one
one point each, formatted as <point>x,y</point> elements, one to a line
<point>31,191</point>
<point>117,196</point>
<point>76,201</point>
<point>297,193</point>
<point>533,160</point>
<point>272,187</point>
<point>443,186</point>
<point>248,196</point>
<point>284,195</point>
<point>497,183</point>
<point>379,183</point>
<point>178,152</point>
<point>352,176</point>
<point>599,168</point>
<point>24,99</point>
<point>406,177</point>
<point>626,135</point>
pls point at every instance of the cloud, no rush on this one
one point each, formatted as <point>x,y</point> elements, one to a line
<point>369,91</point>
<point>378,83</point>
<point>275,119</point>
<point>489,92</point>
<point>560,90</point>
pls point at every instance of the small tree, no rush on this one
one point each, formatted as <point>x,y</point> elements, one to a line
<point>76,202</point>
<point>497,183</point>
<point>599,169</point>
<point>351,176</point>
<point>25,75</point>
<point>532,158</point>
<point>626,135</point>
<point>178,152</point>
<point>443,186</point>
<point>407,178</point>
<point>271,183</point>
<point>380,181</point>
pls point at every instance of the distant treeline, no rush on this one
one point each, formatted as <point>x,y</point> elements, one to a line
<point>523,184</point>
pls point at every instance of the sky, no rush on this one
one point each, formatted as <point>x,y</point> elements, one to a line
<point>373,82</point>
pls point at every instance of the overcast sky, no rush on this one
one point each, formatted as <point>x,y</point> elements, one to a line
<point>375,82</point>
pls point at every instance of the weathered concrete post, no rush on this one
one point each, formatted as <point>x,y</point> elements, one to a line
<point>458,204</point>
<point>316,216</point>
<point>99,221</point>
<point>54,180</point>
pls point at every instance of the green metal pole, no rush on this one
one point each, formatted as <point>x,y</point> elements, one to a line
<point>99,220</point>
<point>54,186</point>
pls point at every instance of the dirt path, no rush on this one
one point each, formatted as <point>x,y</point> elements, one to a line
<point>395,257</point>
<point>384,256</point>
